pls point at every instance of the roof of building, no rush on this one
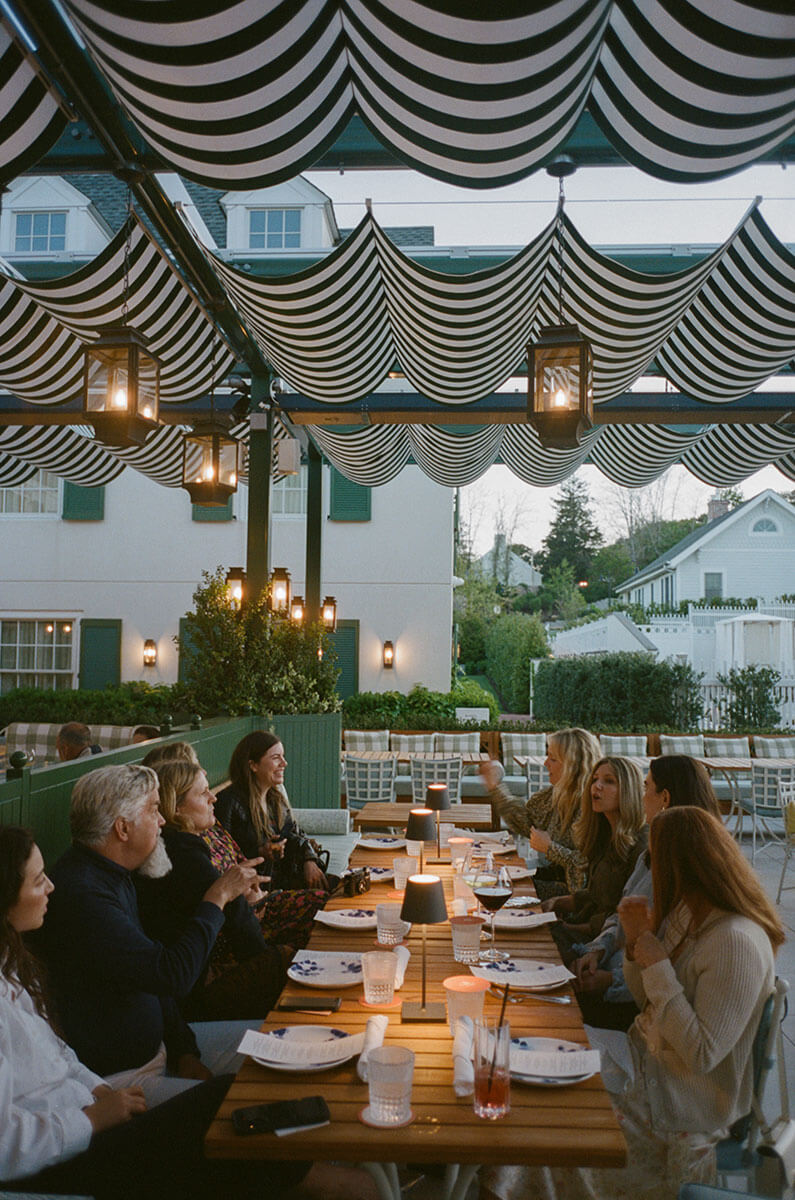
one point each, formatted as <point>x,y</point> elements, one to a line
<point>405,235</point>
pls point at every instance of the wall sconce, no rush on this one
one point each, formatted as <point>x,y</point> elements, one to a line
<point>297,611</point>
<point>328,614</point>
<point>235,587</point>
<point>150,653</point>
<point>389,656</point>
<point>280,591</point>
<point>210,464</point>
<point>121,387</point>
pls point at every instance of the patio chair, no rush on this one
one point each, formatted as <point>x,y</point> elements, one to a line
<point>624,743</point>
<point>786,798</point>
<point>537,778</point>
<point>436,770</point>
<point>774,747</point>
<point>368,780</point>
<point>356,740</point>
<point>763,805</point>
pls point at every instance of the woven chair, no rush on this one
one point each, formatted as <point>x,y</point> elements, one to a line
<point>786,798</point>
<point>537,778</point>
<point>368,780</point>
<point>436,770</point>
<point>764,805</point>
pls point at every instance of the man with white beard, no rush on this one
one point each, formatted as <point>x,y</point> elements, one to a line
<point>115,990</point>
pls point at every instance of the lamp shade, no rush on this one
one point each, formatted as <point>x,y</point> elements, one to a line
<point>421,825</point>
<point>423,900</point>
<point>437,797</point>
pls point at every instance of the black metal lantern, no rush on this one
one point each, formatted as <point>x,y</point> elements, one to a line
<point>121,387</point>
<point>211,464</point>
<point>280,591</point>
<point>560,386</point>
<point>235,587</point>
<point>297,610</point>
<point>328,614</point>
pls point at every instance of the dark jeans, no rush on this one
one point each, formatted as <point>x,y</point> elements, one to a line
<point>606,1014</point>
<point>159,1156</point>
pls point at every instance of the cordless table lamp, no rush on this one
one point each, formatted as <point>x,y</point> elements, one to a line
<point>437,798</point>
<point>423,903</point>
<point>420,829</point>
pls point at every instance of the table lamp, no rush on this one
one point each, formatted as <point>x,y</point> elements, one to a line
<point>420,829</point>
<point>423,903</point>
<point>437,798</point>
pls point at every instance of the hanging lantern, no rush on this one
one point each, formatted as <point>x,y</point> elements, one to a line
<point>297,610</point>
<point>121,387</point>
<point>280,591</point>
<point>210,464</point>
<point>235,587</point>
<point>560,386</point>
<point>328,614</point>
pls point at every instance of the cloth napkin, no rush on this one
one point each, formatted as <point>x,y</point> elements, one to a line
<point>463,1069</point>
<point>402,954</point>
<point>373,1037</point>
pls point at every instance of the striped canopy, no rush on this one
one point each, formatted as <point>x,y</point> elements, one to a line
<point>248,93</point>
<point>32,118</point>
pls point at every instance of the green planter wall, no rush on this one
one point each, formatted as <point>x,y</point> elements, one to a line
<point>312,744</point>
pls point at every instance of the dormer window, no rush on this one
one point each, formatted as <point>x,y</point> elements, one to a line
<point>39,232</point>
<point>764,525</point>
<point>274,228</point>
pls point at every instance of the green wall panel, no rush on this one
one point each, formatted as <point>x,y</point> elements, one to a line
<point>312,745</point>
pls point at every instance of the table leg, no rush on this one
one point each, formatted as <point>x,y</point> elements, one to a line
<point>457,1178</point>
<point>385,1176</point>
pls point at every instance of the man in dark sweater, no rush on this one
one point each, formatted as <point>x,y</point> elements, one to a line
<point>115,989</point>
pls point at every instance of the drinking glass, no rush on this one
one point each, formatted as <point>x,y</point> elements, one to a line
<point>466,938</point>
<point>378,972</point>
<point>492,889</point>
<point>391,1070</point>
<point>403,866</point>
<point>391,928</point>
<point>492,1069</point>
<point>465,995</point>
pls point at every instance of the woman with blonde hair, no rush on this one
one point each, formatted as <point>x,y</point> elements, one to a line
<point>548,817</point>
<point>168,752</point>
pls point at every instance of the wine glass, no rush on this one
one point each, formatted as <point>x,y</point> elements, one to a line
<point>493,889</point>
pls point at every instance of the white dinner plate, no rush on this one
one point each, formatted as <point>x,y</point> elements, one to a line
<point>306,1034</point>
<point>517,872</point>
<point>521,901</point>
<point>516,918</point>
<point>347,918</point>
<point>485,846</point>
<point>525,973</point>
<point>381,874</point>
<point>549,1045</point>
<point>381,841</point>
<point>326,969</point>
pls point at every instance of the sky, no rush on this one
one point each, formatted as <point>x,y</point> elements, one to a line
<point>611,207</point>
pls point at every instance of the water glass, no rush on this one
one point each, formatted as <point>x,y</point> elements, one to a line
<point>460,849</point>
<point>391,1070</point>
<point>465,995</point>
<point>492,1069</point>
<point>391,929</point>
<point>403,867</point>
<point>378,970</point>
<point>466,938</point>
<point>414,849</point>
<point>445,833</point>
<point>461,889</point>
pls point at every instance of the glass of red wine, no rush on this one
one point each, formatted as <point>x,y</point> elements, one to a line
<point>492,889</point>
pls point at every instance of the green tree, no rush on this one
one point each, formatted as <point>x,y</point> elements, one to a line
<point>565,592</point>
<point>511,643</point>
<point>573,535</point>
<point>610,566</point>
<point>751,705</point>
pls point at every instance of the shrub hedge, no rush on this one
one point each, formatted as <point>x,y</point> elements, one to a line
<point>134,703</point>
<point>420,709</point>
<point>511,643</point>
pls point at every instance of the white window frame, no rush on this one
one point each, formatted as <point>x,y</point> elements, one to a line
<point>293,485</point>
<point>28,676</point>
<point>757,532</point>
<point>41,212</point>
<point>267,210</point>
<point>37,515</point>
<point>704,575</point>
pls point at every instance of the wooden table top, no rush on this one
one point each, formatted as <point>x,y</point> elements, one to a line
<point>572,1126</point>
<point>379,814</point>
<point>743,764</point>
<point>470,758</point>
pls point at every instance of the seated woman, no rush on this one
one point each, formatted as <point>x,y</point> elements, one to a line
<point>246,973</point>
<point>610,833</point>
<point>256,811</point>
<point>547,818</point>
<point>602,993</point>
<point>168,752</point>
<point>700,966</point>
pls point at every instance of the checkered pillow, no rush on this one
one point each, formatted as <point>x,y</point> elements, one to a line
<point>623,743</point>
<point>671,744</point>
<point>410,743</point>
<point>727,747</point>
<point>520,743</point>
<point>39,737</point>
<point>458,743</point>
<point>775,747</point>
<point>357,740</point>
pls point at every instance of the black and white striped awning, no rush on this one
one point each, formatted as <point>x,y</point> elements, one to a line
<point>240,93</point>
<point>31,116</point>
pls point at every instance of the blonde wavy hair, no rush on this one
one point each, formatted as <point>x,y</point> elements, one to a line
<point>176,778</point>
<point>578,750</point>
<point>169,752</point>
<point>592,829</point>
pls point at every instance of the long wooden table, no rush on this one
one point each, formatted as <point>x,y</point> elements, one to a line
<point>386,815</point>
<point>568,1126</point>
<point>469,758</point>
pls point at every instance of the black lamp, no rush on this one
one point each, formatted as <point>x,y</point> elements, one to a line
<point>420,828</point>
<point>297,610</point>
<point>437,798</point>
<point>121,387</point>
<point>235,587</point>
<point>328,614</point>
<point>210,464</point>
<point>423,904</point>
<point>280,591</point>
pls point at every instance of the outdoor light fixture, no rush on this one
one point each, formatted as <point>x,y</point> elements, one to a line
<point>297,610</point>
<point>389,656</point>
<point>423,903</point>
<point>288,456</point>
<point>280,591</point>
<point>420,828</point>
<point>437,798</point>
<point>150,653</point>
<point>235,587</point>
<point>121,387</point>
<point>328,614</point>
<point>210,464</point>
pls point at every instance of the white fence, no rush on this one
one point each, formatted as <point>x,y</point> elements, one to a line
<point>716,698</point>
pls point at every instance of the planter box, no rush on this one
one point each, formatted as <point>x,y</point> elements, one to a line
<point>312,744</point>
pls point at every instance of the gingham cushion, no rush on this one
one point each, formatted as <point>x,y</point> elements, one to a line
<point>520,743</point>
<point>408,743</point>
<point>774,747</point>
<point>727,747</point>
<point>623,743</point>
<point>39,737</point>
<point>366,739</point>
<point>673,744</point>
<point>458,743</point>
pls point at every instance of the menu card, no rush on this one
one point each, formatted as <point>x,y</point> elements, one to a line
<point>276,1049</point>
<point>555,1064</point>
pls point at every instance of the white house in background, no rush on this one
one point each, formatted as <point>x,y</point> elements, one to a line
<point>507,567</point>
<point>749,551</point>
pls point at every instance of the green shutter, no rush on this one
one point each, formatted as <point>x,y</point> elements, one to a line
<point>83,503</point>
<point>349,501</point>
<point>346,643</point>
<point>186,650</point>
<point>223,512</point>
<point>100,653</point>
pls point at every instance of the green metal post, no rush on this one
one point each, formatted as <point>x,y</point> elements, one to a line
<point>260,458</point>
<point>314,531</point>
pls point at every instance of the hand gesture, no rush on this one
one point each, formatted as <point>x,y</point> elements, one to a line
<point>648,949</point>
<point>234,882</point>
<point>313,876</point>
<point>112,1108</point>
<point>636,917</point>
<point>540,840</point>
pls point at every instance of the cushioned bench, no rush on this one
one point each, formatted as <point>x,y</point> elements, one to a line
<point>38,737</point>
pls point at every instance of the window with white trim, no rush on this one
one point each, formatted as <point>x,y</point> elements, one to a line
<point>713,585</point>
<point>288,495</point>
<point>764,525</point>
<point>274,228</point>
<point>39,232</point>
<point>36,653</point>
<point>36,497</point>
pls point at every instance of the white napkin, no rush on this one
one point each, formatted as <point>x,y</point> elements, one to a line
<point>373,1036</point>
<point>463,1070</point>
<point>460,907</point>
<point>402,954</point>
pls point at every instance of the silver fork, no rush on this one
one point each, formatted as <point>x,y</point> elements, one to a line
<point>515,998</point>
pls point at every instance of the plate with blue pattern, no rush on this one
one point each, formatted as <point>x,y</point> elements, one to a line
<point>347,918</point>
<point>548,1046</point>
<point>307,1035</point>
<point>326,969</point>
<point>380,841</point>
<point>381,874</point>
<point>525,973</point>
